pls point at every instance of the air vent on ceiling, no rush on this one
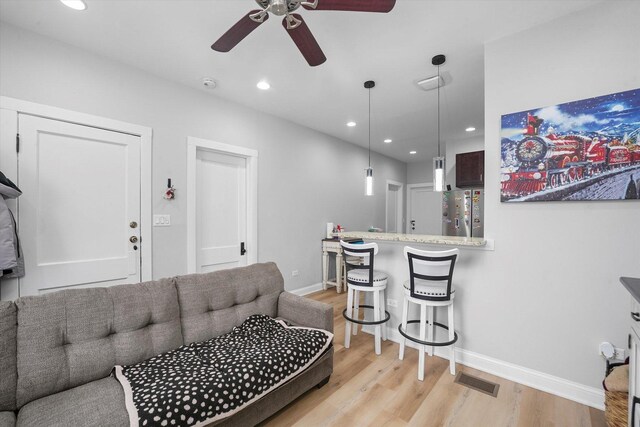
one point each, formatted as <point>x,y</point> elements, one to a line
<point>477,384</point>
<point>430,83</point>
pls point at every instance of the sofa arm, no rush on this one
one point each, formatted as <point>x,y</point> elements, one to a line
<point>305,312</point>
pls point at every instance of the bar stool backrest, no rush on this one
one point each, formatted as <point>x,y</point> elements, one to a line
<point>430,269</point>
<point>363,251</point>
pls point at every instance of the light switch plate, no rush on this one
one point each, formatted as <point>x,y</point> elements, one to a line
<point>161,220</point>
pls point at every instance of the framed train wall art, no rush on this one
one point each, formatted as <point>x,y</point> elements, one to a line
<point>581,150</point>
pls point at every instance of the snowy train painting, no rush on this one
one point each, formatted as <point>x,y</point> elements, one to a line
<point>582,150</point>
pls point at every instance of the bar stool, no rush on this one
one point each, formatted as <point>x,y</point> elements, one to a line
<point>429,285</point>
<point>361,277</point>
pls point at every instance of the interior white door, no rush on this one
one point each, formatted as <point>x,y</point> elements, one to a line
<point>394,208</point>
<point>425,211</point>
<point>221,211</point>
<point>79,215</point>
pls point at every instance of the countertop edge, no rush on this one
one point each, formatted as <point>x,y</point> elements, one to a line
<point>417,238</point>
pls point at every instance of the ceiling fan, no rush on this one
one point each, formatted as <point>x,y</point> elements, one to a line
<point>294,24</point>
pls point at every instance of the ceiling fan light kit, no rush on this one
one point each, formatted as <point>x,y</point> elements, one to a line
<point>439,177</point>
<point>294,24</point>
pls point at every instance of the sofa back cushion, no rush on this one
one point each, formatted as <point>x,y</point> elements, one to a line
<point>212,304</point>
<point>8,370</point>
<point>73,337</point>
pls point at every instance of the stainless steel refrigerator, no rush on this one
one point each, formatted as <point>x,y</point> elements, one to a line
<point>463,213</point>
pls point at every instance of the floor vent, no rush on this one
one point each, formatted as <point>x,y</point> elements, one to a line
<point>477,384</point>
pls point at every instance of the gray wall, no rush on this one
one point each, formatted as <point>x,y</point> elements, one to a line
<point>549,294</point>
<point>305,178</point>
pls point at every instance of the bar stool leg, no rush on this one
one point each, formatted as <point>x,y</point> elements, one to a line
<point>452,347</point>
<point>347,324</point>
<point>423,332</point>
<point>430,329</point>
<point>382,315</point>
<point>356,310</point>
<point>376,317</point>
<point>325,269</point>
<point>405,314</point>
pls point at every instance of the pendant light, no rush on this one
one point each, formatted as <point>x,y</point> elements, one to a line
<point>368,179</point>
<point>438,162</point>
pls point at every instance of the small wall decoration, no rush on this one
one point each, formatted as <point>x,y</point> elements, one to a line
<point>170,192</point>
<point>581,150</point>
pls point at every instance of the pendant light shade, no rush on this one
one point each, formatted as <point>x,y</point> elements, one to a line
<point>439,176</point>
<point>368,179</point>
<point>368,182</point>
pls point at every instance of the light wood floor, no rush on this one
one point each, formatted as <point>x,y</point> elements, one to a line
<point>370,390</point>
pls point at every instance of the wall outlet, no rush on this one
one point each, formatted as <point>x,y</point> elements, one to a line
<point>392,302</point>
<point>294,273</point>
<point>161,220</point>
<point>619,354</point>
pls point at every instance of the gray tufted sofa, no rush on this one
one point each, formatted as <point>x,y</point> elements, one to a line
<point>57,350</point>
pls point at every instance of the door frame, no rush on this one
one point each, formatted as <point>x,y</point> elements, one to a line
<point>399,205</point>
<point>426,185</point>
<point>12,107</point>
<point>251,157</point>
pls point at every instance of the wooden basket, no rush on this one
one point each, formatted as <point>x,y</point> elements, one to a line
<point>616,395</point>
<point>616,408</point>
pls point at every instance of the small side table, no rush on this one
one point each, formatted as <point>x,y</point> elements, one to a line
<point>331,246</point>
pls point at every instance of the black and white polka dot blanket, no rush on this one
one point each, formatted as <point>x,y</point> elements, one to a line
<point>206,381</point>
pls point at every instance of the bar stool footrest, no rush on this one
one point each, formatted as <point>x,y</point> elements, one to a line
<point>429,343</point>
<point>366,322</point>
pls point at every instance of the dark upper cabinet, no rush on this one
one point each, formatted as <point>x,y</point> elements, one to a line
<point>470,169</point>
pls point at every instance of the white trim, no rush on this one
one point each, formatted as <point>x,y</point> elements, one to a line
<point>307,289</point>
<point>146,178</point>
<point>590,396</point>
<point>399,206</point>
<point>251,157</point>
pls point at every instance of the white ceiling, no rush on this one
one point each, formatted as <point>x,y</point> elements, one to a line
<point>172,39</point>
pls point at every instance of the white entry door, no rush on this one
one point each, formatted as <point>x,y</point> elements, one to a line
<point>79,215</point>
<point>425,211</point>
<point>394,207</point>
<point>221,211</point>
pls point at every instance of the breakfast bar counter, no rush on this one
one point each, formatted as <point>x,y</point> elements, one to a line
<point>414,238</point>
<point>390,260</point>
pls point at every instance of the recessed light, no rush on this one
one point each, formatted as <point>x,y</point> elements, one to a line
<point>263,85</point>
<point>75,4</point>
<point>388,141</point>
<point>470,129</point>
<point>412,152</point>
<point>351,124</point>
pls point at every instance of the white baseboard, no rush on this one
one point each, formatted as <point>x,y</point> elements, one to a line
<point>567,389</point>
<point>307,289</point>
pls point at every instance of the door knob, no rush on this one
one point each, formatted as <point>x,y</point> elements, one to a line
<point>133,224</point>
<point>133,239</point>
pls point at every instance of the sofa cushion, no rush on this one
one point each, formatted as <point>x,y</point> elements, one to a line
<point>7,419</point>
<point>212,304</point>
<point>98,403</point>
<point>8,370</point>
<point>72,337</point>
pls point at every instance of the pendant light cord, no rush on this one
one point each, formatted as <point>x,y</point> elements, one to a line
<point>438,110</point>
<point>369,127</point>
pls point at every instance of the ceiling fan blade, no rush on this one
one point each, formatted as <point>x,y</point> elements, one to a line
<point>302,37</point>
<point>382,6</point>
<point>238,32</point>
